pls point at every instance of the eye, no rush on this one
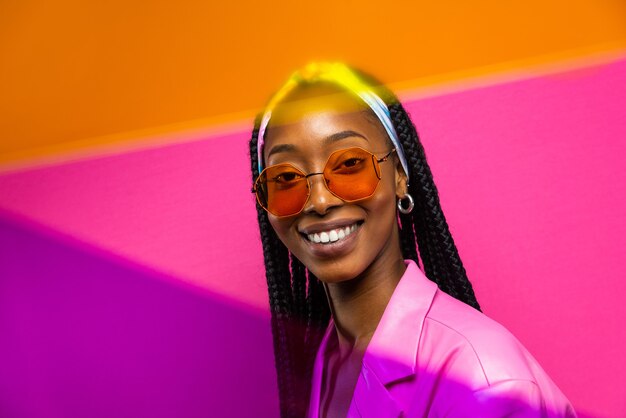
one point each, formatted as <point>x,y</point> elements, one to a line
<point>352,162</point>
<point>349,165</point>
<point>287,177</point>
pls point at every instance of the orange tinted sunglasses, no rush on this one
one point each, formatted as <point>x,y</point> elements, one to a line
<point>350,174</point>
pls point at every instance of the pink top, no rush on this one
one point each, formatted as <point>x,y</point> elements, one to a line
<point>434,356</point>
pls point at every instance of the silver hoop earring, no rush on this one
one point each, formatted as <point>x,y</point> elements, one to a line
<point>409,207</point>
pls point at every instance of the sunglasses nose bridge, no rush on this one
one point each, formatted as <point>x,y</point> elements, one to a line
<point>311,182</point>
<point>320,197</point>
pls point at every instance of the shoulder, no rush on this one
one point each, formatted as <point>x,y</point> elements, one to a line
<point>480,346</point>
<point>478,364</point>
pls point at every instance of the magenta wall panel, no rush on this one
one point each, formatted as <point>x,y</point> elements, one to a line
<point>532,181</point>
<point>86,334</point>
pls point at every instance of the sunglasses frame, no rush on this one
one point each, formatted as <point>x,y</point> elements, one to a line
<point>377,160</point>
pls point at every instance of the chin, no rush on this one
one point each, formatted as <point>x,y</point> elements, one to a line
<point>336,271</point>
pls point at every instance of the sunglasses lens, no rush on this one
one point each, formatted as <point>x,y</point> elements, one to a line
<point>352,174</point>
<point>282,190</point>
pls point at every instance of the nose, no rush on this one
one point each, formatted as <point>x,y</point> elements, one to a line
<point>321,200</point>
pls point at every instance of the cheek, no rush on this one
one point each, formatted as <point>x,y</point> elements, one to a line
<point>282,227</point>
<point>384,199</point>
<point>383,214</point>
<point>382,208</point>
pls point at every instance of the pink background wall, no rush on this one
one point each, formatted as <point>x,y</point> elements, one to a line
<point>532,181</point>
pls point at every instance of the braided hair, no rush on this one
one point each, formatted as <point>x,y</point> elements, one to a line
<point>299,308</point>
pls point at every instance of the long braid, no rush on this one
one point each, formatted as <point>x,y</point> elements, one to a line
<point>318,315</point>
<point>407,238</point>
<point>421,188</point>
<point>279,297</point>
<point>439,254</point>
<point>298,286</point>
<point>297,325</point>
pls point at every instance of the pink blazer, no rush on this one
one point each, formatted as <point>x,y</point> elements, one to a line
<point>433,356</point>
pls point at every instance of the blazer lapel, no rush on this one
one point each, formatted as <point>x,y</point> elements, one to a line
<point>391,354</point>
<point>372,399</point>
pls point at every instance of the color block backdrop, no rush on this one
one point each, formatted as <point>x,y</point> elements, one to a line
<point>131,273</point>
<point>129,278</point>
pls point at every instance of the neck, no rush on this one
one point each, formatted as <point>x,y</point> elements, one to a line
<point>357,305</point>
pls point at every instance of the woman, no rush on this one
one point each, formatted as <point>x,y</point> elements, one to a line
<point>345,200</point>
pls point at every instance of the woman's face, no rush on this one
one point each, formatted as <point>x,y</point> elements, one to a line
<point>305,135</point>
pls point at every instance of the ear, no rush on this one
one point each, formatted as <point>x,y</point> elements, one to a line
<point>402,186</point>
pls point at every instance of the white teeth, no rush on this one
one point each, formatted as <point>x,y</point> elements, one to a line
<point>333,235</point>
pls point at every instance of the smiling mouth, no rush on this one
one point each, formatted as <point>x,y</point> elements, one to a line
<point>332,235</point>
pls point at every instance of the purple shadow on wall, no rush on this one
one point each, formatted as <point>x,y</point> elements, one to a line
<point>86,334</point>
<point>83,334</point>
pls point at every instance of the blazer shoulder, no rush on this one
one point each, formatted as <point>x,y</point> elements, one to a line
<point>483,342</point>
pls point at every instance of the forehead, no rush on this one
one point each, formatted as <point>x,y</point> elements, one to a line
<point>315,98</point>
<point>308,117</point>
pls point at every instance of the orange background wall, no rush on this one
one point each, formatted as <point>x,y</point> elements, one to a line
<point>74,71</point>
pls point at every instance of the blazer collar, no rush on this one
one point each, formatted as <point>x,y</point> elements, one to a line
<point>392,352</point>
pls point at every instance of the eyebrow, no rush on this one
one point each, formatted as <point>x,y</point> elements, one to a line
<point>342,135</point>
<point>281,148</point>
<point>328,140</point>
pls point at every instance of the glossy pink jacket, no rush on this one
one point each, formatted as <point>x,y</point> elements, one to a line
<point>433,356</point>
